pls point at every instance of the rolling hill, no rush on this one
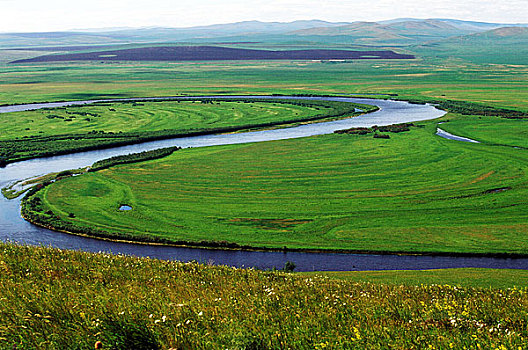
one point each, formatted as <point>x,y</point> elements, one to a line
<point>474,41</point>
<point>397,33</point>
<point>394,32</point>
<point>508,45</point>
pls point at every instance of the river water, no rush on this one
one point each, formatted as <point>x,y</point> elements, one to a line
<point>14,229</point>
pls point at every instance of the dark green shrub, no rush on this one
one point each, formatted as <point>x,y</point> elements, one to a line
<point>126,335</point>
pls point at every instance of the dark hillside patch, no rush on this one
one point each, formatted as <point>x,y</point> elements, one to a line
<point>213,53</point>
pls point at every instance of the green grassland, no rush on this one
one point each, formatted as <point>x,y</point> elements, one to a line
<point>53,299</point>
<point>60,130</point>
<point>414,192</point>
<point>491,130</point>
<point>149,116</point>
<point>467,277</point>
<point>491,84</point>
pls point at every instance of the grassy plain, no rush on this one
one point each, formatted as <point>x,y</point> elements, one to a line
<point>414,192</point>
<point>53,131</point>
<point>468,277</point>
<point>52,299</point>
<point>141,117</point>
<point>490,130</point>
<point>493,84</point>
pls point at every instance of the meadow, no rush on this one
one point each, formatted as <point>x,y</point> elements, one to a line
<point>54,131</point>
<point>53,299</point>
<point>414,192</point>
<point>491,130</point>
<point>467,277</point>
<point>490,84</point>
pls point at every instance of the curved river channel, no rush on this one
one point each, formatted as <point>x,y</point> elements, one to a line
<point>14,229</point>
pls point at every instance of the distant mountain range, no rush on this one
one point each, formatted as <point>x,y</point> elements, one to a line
<point>394,32</point>
<point>433,37</point>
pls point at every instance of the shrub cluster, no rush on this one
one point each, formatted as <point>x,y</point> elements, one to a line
<point>470,108</point>
<point>134,157</point>
<point>394,128</point>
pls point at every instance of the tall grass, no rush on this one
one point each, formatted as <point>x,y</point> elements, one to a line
<point>53,299</point>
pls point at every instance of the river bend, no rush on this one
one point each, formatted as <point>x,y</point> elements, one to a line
<point>13,228</point>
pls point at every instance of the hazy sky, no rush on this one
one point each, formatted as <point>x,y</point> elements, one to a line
<point>50,15</point>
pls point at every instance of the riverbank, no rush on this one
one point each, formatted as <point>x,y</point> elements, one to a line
<point>52,129</point>
<point>277,185</point>
<point>232,246</point>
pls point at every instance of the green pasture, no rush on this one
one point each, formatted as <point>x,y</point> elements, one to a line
<point>490,130</point>
<point>143,117</point>
<point>414,192</point>
<point>491,84</point>
<point>466,277</point>
<point>60,130</point>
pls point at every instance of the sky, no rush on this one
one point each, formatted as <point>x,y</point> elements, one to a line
<point>56,15</point>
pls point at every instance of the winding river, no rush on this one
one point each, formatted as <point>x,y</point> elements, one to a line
<point>14,229</point>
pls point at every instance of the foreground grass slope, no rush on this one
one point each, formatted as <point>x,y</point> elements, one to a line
<point>52,299</point>
<point>414,192</point>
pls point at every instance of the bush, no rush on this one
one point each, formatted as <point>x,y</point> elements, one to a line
<point>133,157</point>
<point>381,136</point>
<point>289,266</point>
<point>126,335</point>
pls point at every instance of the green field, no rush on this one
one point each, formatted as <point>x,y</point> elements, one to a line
<point>414,192</point>
<point>339,192</point>
<point>497,85</point>
<point>491,130</point>
<point>469,277</point>
<point>53,299</point>
<point>53,131</point>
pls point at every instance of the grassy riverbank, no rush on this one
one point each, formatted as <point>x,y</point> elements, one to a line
<point>56,299</point>
<point>491,130</point>
<point>414,192</point>
<point>61,130</point>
